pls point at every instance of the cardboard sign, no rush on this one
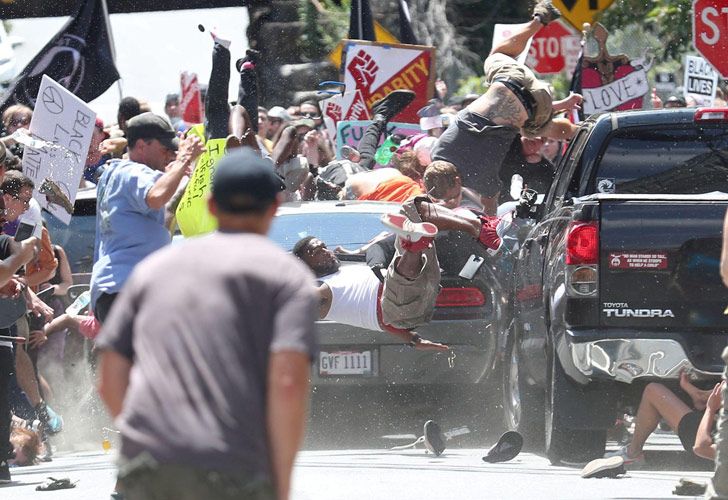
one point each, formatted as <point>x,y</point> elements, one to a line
<point>349,133</point>
<point>193,217</point>
<point>66,124</point>
<point>701,80</point>
<point>190,101</point>
<point>612,82</point>
<point>372,70</point>
<point>502,32</point>
<point>651,260</point>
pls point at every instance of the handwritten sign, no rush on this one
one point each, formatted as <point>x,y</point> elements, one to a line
<point>349,133</point>
<point>66,124</point>
<point>193,216</point>
<point>701,80</point>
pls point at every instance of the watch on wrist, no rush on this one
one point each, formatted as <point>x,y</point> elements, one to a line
<point>416,339</point>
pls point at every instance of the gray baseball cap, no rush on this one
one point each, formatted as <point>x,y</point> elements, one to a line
<point>151,126</point>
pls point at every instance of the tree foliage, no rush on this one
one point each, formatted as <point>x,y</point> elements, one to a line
<point>669,20</point>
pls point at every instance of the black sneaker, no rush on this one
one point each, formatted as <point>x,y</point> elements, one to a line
<point>4,472</point>
<point>545,12</point>
<point>251,56</point>
<point>434,438</point>
<point>392,104</point>
<point>507,448</point>
<point>604,467</point>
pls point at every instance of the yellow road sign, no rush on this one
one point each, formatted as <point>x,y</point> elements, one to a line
<point>578,12</point>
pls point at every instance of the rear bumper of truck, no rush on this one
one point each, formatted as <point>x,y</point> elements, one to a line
<point>625,357</point>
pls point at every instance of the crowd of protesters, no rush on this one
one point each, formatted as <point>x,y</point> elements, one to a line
<point>472,154</point>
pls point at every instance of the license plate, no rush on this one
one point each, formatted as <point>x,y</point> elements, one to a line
<point>346,363</point>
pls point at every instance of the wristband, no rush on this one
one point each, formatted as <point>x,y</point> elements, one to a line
<point>416,339</point>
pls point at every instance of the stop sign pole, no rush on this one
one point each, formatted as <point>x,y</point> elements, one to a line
<point>710,32</point>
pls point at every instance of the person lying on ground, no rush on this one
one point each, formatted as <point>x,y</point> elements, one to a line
<point>515,102</point>
<point>405,297</point>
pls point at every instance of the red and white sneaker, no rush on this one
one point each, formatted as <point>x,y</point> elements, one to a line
<point>414,236</point>
<point>489,235</point>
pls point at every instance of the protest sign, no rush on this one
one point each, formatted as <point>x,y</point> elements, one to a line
<point>372,70</point>
<point>612,82</point>
<point>66,124</point>
<point>193,217</point>
<point>190,102</point>
<point>701,80</point>
<point>502,32</point>
<point>349,133</point>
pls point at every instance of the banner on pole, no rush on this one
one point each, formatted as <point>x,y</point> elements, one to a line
<point>372,70</point>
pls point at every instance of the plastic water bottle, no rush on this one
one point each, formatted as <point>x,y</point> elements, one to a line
<point>516,186</point>
<point>78,304</point>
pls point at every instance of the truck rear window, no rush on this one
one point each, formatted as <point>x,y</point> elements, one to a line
<point>664,161</point>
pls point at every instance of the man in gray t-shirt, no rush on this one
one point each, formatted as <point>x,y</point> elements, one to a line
<point>206,353</point>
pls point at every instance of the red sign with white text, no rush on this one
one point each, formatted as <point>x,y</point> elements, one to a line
<point>554,48</point>
<point>710,32</point>
<point>372,70</point>
<point>190,101</point>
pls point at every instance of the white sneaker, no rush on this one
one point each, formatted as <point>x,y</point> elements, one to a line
<point>637,461</point>
<point>604,467</point>
<point>408,230</point>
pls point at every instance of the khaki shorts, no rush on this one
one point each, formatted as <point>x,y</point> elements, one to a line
<point>409,303</point>
<point>501,66</point>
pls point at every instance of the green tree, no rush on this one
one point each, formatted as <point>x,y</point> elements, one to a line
<point>669,20</point>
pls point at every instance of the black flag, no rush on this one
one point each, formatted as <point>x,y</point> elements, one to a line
<point>406,35</point>
<point>361,23</point>
<point>79,57</point>
<point>577,115</point>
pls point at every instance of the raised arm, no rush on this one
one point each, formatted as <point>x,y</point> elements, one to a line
<point>165,187</point>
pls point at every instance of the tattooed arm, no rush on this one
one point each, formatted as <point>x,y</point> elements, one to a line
<point>500,106</point>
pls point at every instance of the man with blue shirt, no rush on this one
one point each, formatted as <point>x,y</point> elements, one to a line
<point>131,195</point>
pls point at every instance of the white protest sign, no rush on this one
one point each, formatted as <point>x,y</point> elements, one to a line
<point>503,32</point>
<point>701,80</point>
<point>66,123</point>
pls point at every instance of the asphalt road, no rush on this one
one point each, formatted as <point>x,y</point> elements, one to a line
<point>410,474</point>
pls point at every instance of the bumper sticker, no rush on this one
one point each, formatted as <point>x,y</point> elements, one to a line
<point>634,260</point>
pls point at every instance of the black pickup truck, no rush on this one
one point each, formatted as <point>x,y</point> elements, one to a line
<point>617,281</point>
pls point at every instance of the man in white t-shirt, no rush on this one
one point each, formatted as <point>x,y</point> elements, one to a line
<point>405,299</point>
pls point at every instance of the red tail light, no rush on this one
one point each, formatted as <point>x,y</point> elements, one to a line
<point>582,243</point>
<point>711,115</point>
<point>460,297</point>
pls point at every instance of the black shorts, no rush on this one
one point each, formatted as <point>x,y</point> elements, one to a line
<point>687,429</point>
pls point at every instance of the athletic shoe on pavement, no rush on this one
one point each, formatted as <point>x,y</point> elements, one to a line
<point>489,235</point>
<point>637,461</point>
<point>604,467</point>
<point>507,448</point>
<point>414,236</point>
<point>4,472</point>
<point>434,438</point>
<point>392,104</point>
<point>545,12</point>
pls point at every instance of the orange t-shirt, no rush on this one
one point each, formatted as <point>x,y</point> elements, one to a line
<point>399,189</point>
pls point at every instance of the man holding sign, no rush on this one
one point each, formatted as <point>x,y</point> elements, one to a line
<point>515,102</point>
<point>131,198</point>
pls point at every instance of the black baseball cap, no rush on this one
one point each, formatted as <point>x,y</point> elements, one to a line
<point>151,126</point>
<point>244,181</point>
